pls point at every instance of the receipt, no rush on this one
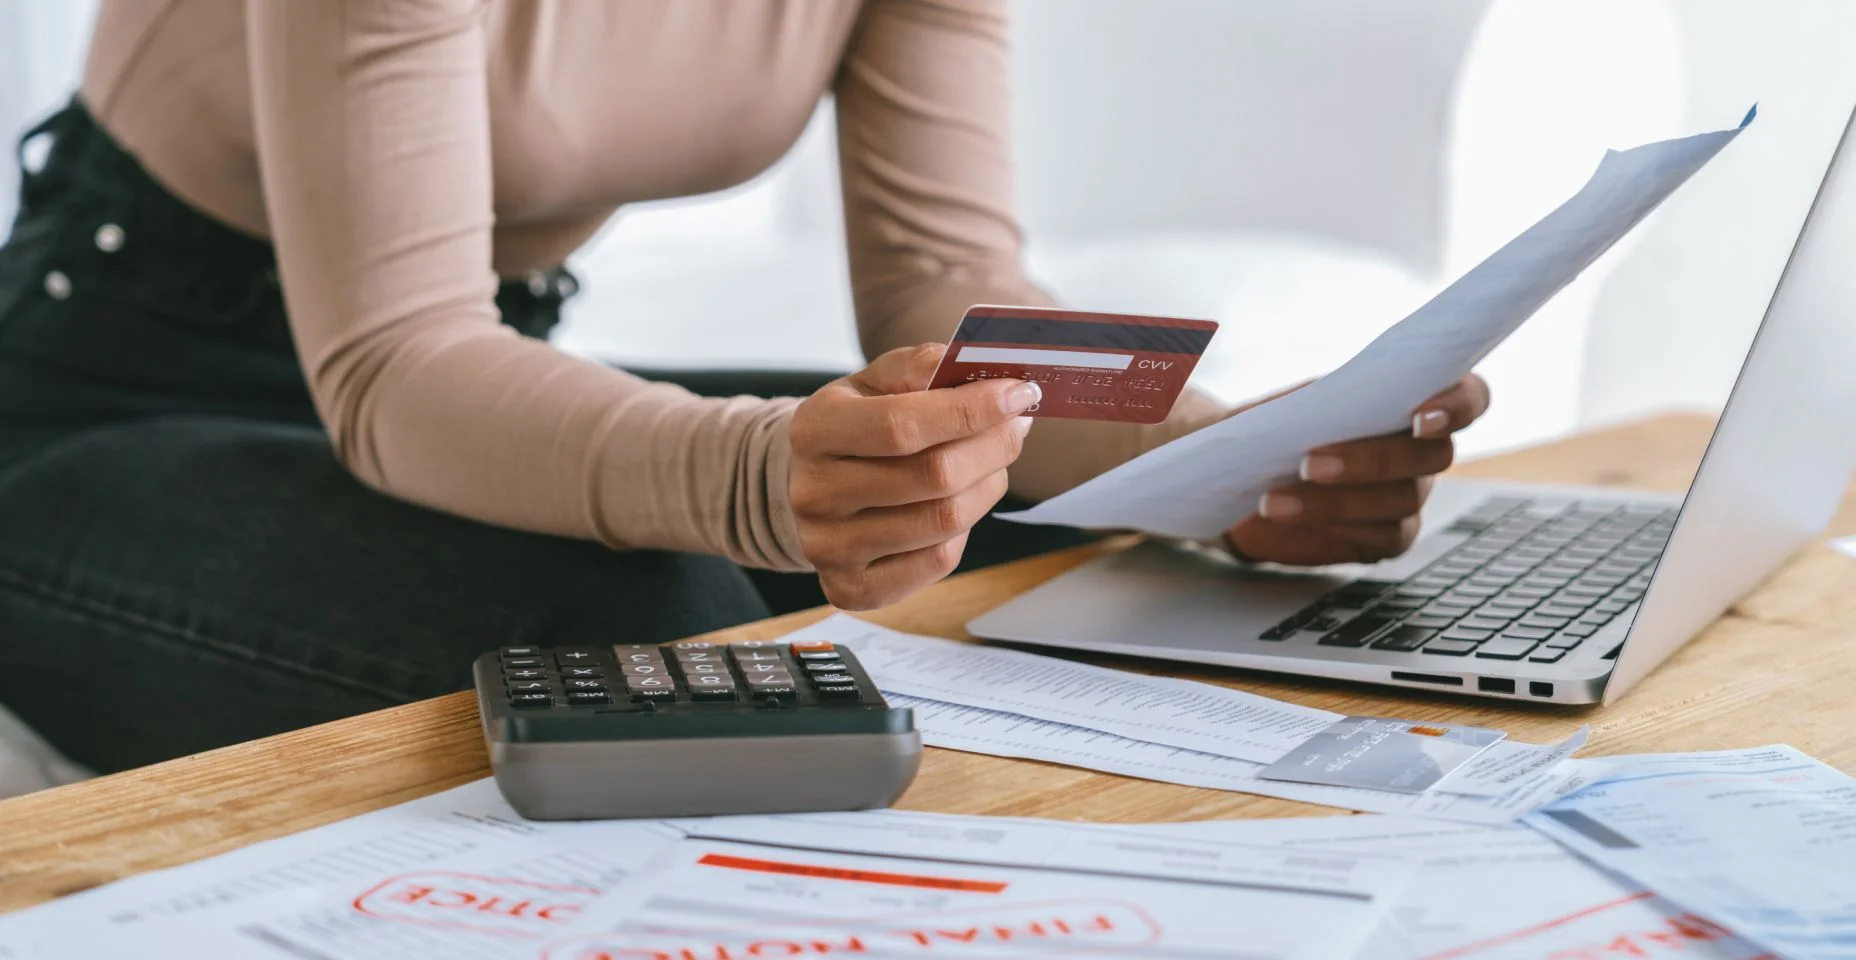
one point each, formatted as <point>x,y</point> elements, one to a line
<point>1761,840</point>
<point>1177,713</point>
<point>974,730</point>
<point>1201,484</point>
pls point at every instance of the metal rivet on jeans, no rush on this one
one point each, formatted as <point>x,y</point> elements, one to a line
<point>110,237</point>
<point>57,285</point>
<point>538,284</point>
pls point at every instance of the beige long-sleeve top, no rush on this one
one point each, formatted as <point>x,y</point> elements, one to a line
<point>402,154</point>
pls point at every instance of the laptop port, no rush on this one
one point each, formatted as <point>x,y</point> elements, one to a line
<point>1438,679</point>
<point>1495,684</point>
<point>1540,688</point>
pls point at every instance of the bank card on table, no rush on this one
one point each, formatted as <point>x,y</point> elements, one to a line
<point>1090,366</point>
<point>1382,754</point>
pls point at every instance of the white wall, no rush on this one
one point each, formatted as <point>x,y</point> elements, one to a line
<point>41,50</point>
<point>1671,326</point>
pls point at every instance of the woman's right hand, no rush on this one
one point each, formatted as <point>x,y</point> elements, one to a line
<point>888,476</point>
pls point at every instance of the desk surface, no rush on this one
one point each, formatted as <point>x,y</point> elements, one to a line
<point>1774,669</point>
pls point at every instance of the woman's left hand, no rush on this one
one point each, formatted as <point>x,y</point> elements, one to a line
<point>1358,501</point>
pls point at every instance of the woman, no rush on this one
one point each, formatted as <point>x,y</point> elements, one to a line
<point>278,446</point>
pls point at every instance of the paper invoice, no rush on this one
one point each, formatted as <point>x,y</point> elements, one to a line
<point>973,730</point>
<point>984,699</point>
<point>1179,713</point>
<point>1494,893</point>
<point>457,874</point>
<point>895,885</point>
<point>1761,840</point>
<point>1201,484</point>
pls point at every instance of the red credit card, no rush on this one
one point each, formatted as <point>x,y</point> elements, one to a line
<point>1091,366</point>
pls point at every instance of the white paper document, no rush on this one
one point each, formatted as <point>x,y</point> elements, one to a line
<point>888,885</point>
<point>457,874</point>
<point>974,730</point>
<point>1762,841</point>
<point>1206,481</point>
<point>1011,703</point>
<point>1495,893</point>
<point>1164,710</point>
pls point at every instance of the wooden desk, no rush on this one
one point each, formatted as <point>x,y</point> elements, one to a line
<point>1776,668</point>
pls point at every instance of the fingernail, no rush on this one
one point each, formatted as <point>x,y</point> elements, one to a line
<point>1321,467</point>
<point>1430,423</point>
<point>1279,506</point>
<point>1023,396</point>
<point>1022,425</point>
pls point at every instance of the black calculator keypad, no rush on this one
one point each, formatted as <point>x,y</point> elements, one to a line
<point>761,673</point>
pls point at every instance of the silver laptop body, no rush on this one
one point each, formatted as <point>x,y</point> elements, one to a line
<point>1525,591</point>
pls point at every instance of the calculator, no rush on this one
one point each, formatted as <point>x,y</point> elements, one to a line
<point>693,728</point>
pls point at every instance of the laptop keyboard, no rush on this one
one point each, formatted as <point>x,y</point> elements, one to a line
<point>1534,580</point>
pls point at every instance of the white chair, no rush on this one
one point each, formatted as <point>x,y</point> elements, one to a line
<point>1305,173</point>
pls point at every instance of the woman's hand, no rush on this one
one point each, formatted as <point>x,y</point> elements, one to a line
<point>1358,501</point>
<point>888,477</point>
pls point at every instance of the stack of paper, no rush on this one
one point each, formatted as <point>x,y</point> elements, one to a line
<point>1011,703</point>
<point>459,876</point>
<point>1705,846</point>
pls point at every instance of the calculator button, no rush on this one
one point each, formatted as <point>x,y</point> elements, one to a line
<point>813,646</point>
<point>644,670</point>
<point>525,673</point>
<point>650,688</point>
<point>523,662</point>
<point>817,654</point>
<point>837,691</point>
<point>581,672</point>
<point>581,698</point>
<point>752,669</point>
<point>757,656</point>
<point>693,669</point>
<point>825,666</point>
<point>576,656</point>
<point>740,645</point>
<point>833,678</point>
<point>640,656</point>
<point>700,656</point>
<point>722,689</point>
<point>529,701</point>
<point>528,686</point>
<point>763,681</point>
<point>521,652</point>
<point>589,685</point>
<point>692,645</point>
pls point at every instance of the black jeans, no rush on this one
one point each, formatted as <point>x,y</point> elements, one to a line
<point>183,562</point>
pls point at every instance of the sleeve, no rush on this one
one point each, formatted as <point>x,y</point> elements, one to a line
<point>373,139</point>
<point>924,147</point>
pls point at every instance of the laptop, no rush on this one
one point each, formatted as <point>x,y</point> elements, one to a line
<point>1524,591</point>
